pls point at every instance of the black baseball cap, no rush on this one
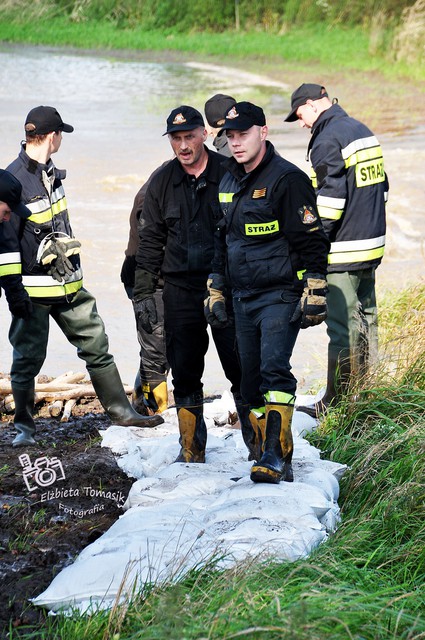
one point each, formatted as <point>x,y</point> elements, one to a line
<point>42,120</point>
<point>184,118</point>
<point>301,95</point>
<point>10,193</point>
<point>216,108</point>
<point>243,116</point>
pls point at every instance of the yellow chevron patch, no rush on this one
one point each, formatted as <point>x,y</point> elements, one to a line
<point>259,193</point>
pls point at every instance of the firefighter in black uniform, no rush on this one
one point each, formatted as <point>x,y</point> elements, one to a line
<point>351,188</point>
<point>274,249</point>
<point>176,240</point>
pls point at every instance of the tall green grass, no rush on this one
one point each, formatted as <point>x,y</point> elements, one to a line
<point>333,46</point>
<point>367,582</point>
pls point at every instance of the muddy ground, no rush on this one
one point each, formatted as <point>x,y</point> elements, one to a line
<point>51,509</point>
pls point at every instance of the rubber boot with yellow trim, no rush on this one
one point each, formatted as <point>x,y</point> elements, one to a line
<point>276,462</point>
<point>193,431</point>
<point>156,395</point>
<point>253,423</point>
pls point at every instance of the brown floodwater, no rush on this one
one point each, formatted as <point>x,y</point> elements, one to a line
<point>118,108</point>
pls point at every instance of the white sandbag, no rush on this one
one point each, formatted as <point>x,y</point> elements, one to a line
<point>179,516</point>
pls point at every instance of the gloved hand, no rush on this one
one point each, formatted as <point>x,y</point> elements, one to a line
<point>19,302</point>
<point>215,302</point>
<point>127,271</point>
<point>145,312</point>
<point>312,306</point>
<point>21,308</point>
<point>143,301</point>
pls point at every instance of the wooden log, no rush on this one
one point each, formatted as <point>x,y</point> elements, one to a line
<point>9,404</point>
<point>67,412</point>
<point>51,390</point>
<point>55,409</point>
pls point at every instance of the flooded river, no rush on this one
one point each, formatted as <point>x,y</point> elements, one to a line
<point>118,108</point>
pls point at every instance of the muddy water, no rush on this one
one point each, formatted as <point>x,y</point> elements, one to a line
<point>118,108</point>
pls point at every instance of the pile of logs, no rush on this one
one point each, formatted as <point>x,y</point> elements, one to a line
<point>60,394</point>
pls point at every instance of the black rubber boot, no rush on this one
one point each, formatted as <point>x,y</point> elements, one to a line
<point>338,379</point>
<point>193,430</point>
<point>276,462</point>
<point>23,421</point>
<point>252,428</point>
<point>110,391</point>
<point>150,396</point>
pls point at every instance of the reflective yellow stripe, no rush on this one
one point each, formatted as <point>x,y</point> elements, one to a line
<point>301,273</point>
<point>363,155</point>
<point>263,229</point>
<point>368,173</point>
<point>356,256</point>
<point>10,263</point>
<point>259,412</point>
<point>225,197</point>
<point>313,178</point>
<point>44,216</point>
<point>329,214</point>
<point>10,269</point>
<point>279,396</point>
<point>55,291</point>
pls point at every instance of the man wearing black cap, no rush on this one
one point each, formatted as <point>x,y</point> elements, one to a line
<point>351,187</point>
<point>215,109</point>
<point>10,278</point>
<point>176,230</point>
<point>150,386</point>
<point>274,250</point>
<point>48,256</point>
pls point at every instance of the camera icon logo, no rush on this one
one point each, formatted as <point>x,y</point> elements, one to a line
<point>43,471</point>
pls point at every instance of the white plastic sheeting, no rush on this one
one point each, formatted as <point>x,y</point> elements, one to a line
<point>180,516</point>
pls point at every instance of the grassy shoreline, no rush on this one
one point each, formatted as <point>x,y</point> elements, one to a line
<point>367,582</point>
<point>388,96</point>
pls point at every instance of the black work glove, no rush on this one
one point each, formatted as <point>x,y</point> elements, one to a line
<point>145,312</point>
<point>127,271</point>
<point>55,254</point>
<point>215,302</point>
<point>143,301</point>
<point>312,306</point>
<point>18,300</point>
<point>61,268</point>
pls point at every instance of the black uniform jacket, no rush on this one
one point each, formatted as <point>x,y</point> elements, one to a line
<point>178,221</point>
<point>273,231</point>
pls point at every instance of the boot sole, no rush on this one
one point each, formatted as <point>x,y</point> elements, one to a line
<point>264,474</point>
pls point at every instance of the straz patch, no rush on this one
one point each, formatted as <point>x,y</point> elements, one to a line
<point>370,172</point>
<point>307,215</point>
<point>259,193</point>
<point>261,229</point>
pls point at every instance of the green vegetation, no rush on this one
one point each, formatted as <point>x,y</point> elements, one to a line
<point>368,580</point>
<point>367,36</point>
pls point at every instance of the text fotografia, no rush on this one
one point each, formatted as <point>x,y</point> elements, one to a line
<point>80,513</point>
<point>88,492</point>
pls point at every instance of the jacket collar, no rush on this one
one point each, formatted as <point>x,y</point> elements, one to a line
<point>237,170</point>
<point>36,168</point>
<point>211,172</point>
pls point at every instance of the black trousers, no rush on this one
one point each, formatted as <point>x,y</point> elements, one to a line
<point>187,341</point>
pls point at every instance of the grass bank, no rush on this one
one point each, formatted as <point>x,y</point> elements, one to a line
<point>340,47</point>
<point>367,582</point>
<point>354,63</point>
